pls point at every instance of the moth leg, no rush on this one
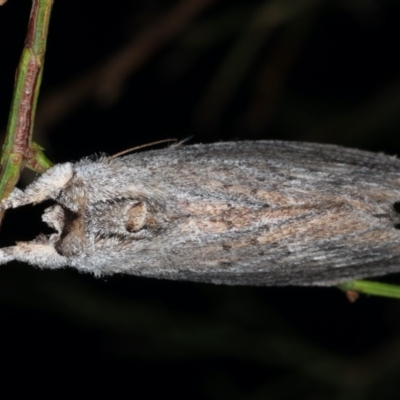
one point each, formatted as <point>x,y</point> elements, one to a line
<point>37,253</point>
<point>47,186</point>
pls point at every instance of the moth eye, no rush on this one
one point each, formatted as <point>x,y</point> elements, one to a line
<point>137,215</point>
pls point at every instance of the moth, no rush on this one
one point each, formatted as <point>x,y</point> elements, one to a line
<point>240,213</point>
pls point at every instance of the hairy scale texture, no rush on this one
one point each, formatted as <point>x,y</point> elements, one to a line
<point>241,213</point>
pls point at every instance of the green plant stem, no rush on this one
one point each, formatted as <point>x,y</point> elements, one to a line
<point>38,162</point>
<point>372,288</point>
<point>18,149</point>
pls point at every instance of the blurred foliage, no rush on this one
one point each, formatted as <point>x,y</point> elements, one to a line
<point>312,70</point>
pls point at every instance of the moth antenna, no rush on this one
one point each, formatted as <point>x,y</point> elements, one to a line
<point>181,142</point>
<point>143,146</point>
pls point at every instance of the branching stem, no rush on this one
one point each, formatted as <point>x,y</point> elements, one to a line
<point>18,149</point>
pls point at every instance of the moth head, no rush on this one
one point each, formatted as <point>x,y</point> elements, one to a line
<point>114,220</point>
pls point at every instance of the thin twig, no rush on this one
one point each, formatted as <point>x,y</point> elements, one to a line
<point>372,288</point>
<point>18,150</point>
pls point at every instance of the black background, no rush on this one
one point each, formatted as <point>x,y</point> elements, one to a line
<point>333,78</point>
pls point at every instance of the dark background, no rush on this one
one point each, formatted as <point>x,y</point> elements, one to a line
<point>324,71</point>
